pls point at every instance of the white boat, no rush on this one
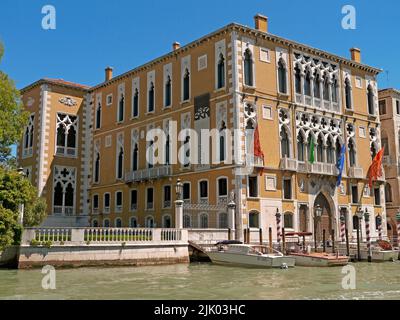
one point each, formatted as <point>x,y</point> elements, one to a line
<point>250,256</point>
<point>381,251</point>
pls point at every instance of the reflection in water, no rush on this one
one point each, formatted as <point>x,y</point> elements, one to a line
<point>204,281</point>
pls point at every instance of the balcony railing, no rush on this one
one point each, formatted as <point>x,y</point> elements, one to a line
<point>106,210</point>
<point>63,211</point>
<point>328,169</point>
<point>356,173</point>
<point>148,174</point>
<point>254,161</point>
<point>288,164</point>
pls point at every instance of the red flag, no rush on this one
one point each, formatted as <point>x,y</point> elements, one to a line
<point>257,145</point>
<point>375,170</point>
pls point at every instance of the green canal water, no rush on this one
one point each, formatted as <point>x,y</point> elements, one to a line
<point>204,281</point>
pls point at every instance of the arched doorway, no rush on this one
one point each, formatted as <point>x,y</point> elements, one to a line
<point>326,221</point>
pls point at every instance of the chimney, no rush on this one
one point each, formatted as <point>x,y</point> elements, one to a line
<point>109,73</point>
<point>261,23</point>
<point>176,46</point>
<point>355,55</point>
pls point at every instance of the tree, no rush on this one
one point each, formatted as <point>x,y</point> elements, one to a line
<point>13,118</point>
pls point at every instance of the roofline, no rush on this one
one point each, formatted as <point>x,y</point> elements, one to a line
<point>53,82</point>
<point>390,90</point>
<point>230,27</point>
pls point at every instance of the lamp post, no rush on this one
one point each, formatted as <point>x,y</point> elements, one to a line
<point>21,206</point>
<point>179,205</point>
<point>231,214</point>
<point>359,216</point>
<point>318,214</point>
<point>367,232</point>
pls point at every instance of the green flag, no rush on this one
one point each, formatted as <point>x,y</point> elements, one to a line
<point>312,151</point>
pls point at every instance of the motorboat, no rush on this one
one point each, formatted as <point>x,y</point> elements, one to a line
<point>305,258</point>
<point>381,251</point>
<point>237,254</point>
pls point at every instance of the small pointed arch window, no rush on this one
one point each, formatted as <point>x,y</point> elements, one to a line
<point>352,153</point>
<point>300,147</point>
<point>317,87</point>
<point>285,144</point>
<point>221,72</point>
<point>326,87</point>
<point>330,151</point>
<point>297,79</point>
<point>97,168</point>
<point>222,142</point>
<point>120,163</point>
<point>248,68</point>
<point>121,108</point>
<point>151,98</point>
<point>307,83</point>
<point>135,158</point>
<point>98,116</point>
<point>168,92</point>
<point>334,89</point>
<point>320,149</point>
<point>282,76</point>
<point>135,110</point>
<point>347,89</point>
<point>186,85</point>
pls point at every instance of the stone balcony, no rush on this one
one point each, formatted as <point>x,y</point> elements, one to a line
<point>356,173</point>
<point>319,168</point>
<point>288,164</point>
<point>148,174</point>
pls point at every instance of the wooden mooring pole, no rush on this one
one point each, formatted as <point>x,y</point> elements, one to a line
<point>333,241</point>
<point>347,243</point>
<point>248,236</point>
<point>229,234</point>
<point>261,236</point>
<point>270,239</point>
<point>358,242</point>
<point>283,241</point>
<point>324,240</point>
<point>245,236</point>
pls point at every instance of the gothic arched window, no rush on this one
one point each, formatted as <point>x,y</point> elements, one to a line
<point>330,151</point>
<point>98,116</point>
<point>352,153</point>
<point>97,168</point>
<point>135,111</point>
<point>285,145</point>
<point>326,87</point>
<point>151,98</point>
<point>334,89</point>
<point>297,79</point>
<point>135,158</point>
<point>248,68</point>
<point>282,77</point>
<point>67,127</point>
<point>307,84</point>
<point>300,148</point>
<point>121,108</point>
<point>320,149</point>
<point>221,72</point>
<point>120,163</point>
<point>388,192</point>
<point>186,85</point>
<point>317,88</point>
<point>168,92</point>
<point>347,89</point>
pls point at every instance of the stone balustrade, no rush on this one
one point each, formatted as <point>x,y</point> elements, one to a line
<point>79,236</point>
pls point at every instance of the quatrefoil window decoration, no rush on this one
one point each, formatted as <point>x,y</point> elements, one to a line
<point>314,121</point>
<point>304,119</point>
<point>283,116</point>
<point>350,129</point>
<point>249,110</point>
<point>333,125</point>
<point>323,123</point>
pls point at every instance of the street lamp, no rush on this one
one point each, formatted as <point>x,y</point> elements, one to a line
<point>318,214</point>
<point>179,205</point>
<point>178,189</point>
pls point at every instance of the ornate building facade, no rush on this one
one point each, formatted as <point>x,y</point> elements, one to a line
<point>389,110</point>
<point>88,154</point>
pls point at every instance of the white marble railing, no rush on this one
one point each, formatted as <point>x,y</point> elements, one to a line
<point>86,236</point>
<point>148,174</point>
<point>288,164</point>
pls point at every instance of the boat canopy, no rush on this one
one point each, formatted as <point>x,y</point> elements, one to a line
<point>227,242</point>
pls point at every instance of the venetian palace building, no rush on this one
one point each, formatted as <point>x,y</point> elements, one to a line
<point>85,147</point>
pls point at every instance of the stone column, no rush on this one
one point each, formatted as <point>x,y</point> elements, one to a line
<point>179,214</point>
<point>231,215</point>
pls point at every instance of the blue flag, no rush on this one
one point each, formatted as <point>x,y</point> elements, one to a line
<point>340,165</point>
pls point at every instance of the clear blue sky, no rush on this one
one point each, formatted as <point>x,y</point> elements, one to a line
<point>91,34</point>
